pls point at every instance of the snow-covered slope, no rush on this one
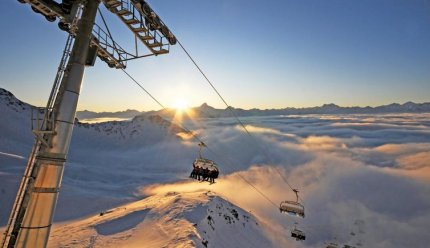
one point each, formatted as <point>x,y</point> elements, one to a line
<point>196,219</point>
<point>15,144</point>
<point>105,156</point>
<point>16,116</point>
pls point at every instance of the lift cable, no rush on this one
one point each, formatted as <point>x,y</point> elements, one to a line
<point>250,184</point>
<point>147,92</point>
<point>235,116</point>
<point>192,133</point>
<point>107,28</point>
<point>196,137</point>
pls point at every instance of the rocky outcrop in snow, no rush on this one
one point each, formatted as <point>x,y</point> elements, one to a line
<point>7,99</point>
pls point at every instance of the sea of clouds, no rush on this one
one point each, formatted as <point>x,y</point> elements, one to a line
<point>364,179</point>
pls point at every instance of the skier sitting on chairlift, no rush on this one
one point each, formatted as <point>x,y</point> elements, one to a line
<point>194,172</point>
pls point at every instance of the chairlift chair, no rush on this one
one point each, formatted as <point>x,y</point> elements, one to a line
<point>298,234</point>
<point>205,163</point>
<point>293,207</point>
<point>332,245</point>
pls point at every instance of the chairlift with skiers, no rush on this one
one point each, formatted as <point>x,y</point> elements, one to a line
<point>204,169</point>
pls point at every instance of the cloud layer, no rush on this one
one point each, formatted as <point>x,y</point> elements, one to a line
<point>363,179</point>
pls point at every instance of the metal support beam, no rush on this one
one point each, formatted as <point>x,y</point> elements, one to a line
<point>36,213</point>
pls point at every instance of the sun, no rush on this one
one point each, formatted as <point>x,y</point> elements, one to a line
<point>181,105</point>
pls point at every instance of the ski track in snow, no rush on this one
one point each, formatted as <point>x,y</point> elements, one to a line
<point>12,155</point>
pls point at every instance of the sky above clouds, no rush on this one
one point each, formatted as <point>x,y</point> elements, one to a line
<point>266,55</point>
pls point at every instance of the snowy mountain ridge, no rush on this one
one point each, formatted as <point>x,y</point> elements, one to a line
<point>135,127</point>
<point>9,100</point>
<point>122,129</point>
<point>193,219</point>
<point>128,114</point>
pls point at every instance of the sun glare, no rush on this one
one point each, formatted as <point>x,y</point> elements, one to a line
<point>181,104</point>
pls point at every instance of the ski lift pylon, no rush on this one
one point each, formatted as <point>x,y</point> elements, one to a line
<point>293,207</point>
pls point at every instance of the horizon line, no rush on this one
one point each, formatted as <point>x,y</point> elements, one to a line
<point>255,108</point>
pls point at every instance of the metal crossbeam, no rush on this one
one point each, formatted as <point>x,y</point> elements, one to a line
<point>146,25</point>
<point>137,15</point>
<point>49,8</point>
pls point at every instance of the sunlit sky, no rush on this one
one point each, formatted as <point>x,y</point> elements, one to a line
<point>263,54</point>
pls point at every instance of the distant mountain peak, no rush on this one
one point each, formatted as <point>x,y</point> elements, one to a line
<point>330,105</point>
<point>206,106</point>
<point>5,93</point>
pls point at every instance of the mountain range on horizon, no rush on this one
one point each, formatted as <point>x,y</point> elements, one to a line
<point>207,111</point>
